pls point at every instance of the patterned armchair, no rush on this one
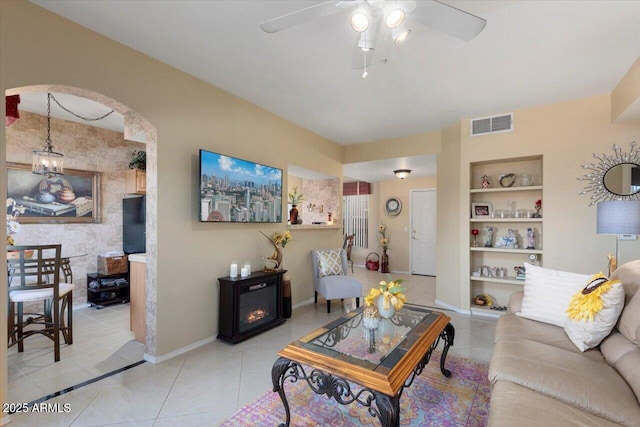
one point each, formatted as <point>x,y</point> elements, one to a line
<point>330,277</point>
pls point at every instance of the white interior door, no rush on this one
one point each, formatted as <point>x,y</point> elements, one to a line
<point>423,232</point>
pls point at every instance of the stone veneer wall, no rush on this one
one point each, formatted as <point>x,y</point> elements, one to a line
<point>325,193</point>
<point>85,148</point>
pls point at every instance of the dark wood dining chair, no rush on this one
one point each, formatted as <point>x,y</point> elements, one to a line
<point>347,245</point>
<point>34,276</point>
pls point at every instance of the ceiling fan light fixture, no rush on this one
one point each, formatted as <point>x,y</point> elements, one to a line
<point>359,22</point>
<point>400,34</point>
<point>366,42</point>
<point>402,173</point>
<point>394,18</point>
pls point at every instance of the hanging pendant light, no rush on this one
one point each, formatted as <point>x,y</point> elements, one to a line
<point>46,161</point>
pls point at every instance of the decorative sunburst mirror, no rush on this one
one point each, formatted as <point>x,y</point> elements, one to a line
<point>614,176</point>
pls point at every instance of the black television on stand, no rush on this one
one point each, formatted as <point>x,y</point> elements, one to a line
<point>236,190</point>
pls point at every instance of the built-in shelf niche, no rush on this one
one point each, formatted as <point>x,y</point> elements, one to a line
<point>321,195</point>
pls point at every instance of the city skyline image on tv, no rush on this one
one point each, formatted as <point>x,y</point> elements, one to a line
<point>236,190</point>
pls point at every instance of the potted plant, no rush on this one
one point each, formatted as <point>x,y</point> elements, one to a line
<point>138,160</point>
<point>294,199</point>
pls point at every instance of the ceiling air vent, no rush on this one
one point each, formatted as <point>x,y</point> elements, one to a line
<point>495,124</point>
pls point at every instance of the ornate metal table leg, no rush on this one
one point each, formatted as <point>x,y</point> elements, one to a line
<point>388,408</point>
<point>278,371</point>
<point>447,335</point>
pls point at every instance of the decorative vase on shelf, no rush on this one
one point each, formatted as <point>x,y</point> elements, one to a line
<point>293,214</point>
<point>384,262</point>
<point>385,313</point>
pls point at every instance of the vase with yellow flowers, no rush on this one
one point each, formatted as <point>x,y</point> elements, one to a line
<point>383,242</point>
<point>389,297</point>
<point>279,241</point>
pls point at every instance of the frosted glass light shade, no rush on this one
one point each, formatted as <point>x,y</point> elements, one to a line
<point>394,19</point>
<point>359,22</point>
<point>402,173</point>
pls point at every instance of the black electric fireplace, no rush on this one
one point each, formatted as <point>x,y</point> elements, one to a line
<point>249,305</point>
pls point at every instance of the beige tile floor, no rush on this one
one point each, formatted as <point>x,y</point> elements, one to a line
<point>207,385</point>
<point>102,343</point>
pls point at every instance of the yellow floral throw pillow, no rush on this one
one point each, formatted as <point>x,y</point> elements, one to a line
<point>594,311</point>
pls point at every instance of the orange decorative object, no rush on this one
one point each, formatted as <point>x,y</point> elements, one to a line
<point>66,196</point>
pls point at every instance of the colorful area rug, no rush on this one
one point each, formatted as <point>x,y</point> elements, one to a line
<point>432,400</point>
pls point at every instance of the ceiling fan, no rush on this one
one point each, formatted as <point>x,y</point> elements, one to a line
<point>370,18</point>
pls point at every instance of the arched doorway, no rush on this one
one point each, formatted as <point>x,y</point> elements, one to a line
<point>134,125</point>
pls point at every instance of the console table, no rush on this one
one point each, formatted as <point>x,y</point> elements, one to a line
<point>249,305</point>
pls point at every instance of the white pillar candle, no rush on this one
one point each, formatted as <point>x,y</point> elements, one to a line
<point>233,270</point>
<point>248,267</point>
<point>244,272</point>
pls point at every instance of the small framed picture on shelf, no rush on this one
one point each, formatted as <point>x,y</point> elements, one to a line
<point>481,210</point>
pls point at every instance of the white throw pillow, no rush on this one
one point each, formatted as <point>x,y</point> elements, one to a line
<point>547,293</point>
<point>594,311</point>
<point>330,263</point>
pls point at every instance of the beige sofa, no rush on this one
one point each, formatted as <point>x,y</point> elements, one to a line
<point>539,378</point>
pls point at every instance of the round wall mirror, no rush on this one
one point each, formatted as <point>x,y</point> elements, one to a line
<point>619,179</point>
<point>613,176</point>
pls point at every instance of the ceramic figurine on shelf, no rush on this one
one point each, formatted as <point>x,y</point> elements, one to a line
<point>485,181</point>
<point>489,240</point>
<point>531,240</point>
<point>510,241</point>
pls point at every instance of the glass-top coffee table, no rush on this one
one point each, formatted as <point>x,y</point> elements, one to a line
<point>382,360</point>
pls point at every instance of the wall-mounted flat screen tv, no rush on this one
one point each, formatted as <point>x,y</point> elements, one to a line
<point>236,190</point>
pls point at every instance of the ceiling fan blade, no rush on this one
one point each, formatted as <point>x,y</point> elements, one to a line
<point>299,16</point>
<point>448,19</point>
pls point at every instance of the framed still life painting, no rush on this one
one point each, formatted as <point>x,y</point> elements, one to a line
<point>72,197</point>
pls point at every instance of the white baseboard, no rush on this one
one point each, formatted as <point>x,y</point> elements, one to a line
<point>81,306</point>
<point>452,308</point>
<point>487,313</point>
<point>392,271</point>
<point>305,302</point>
<point>178,352</point>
